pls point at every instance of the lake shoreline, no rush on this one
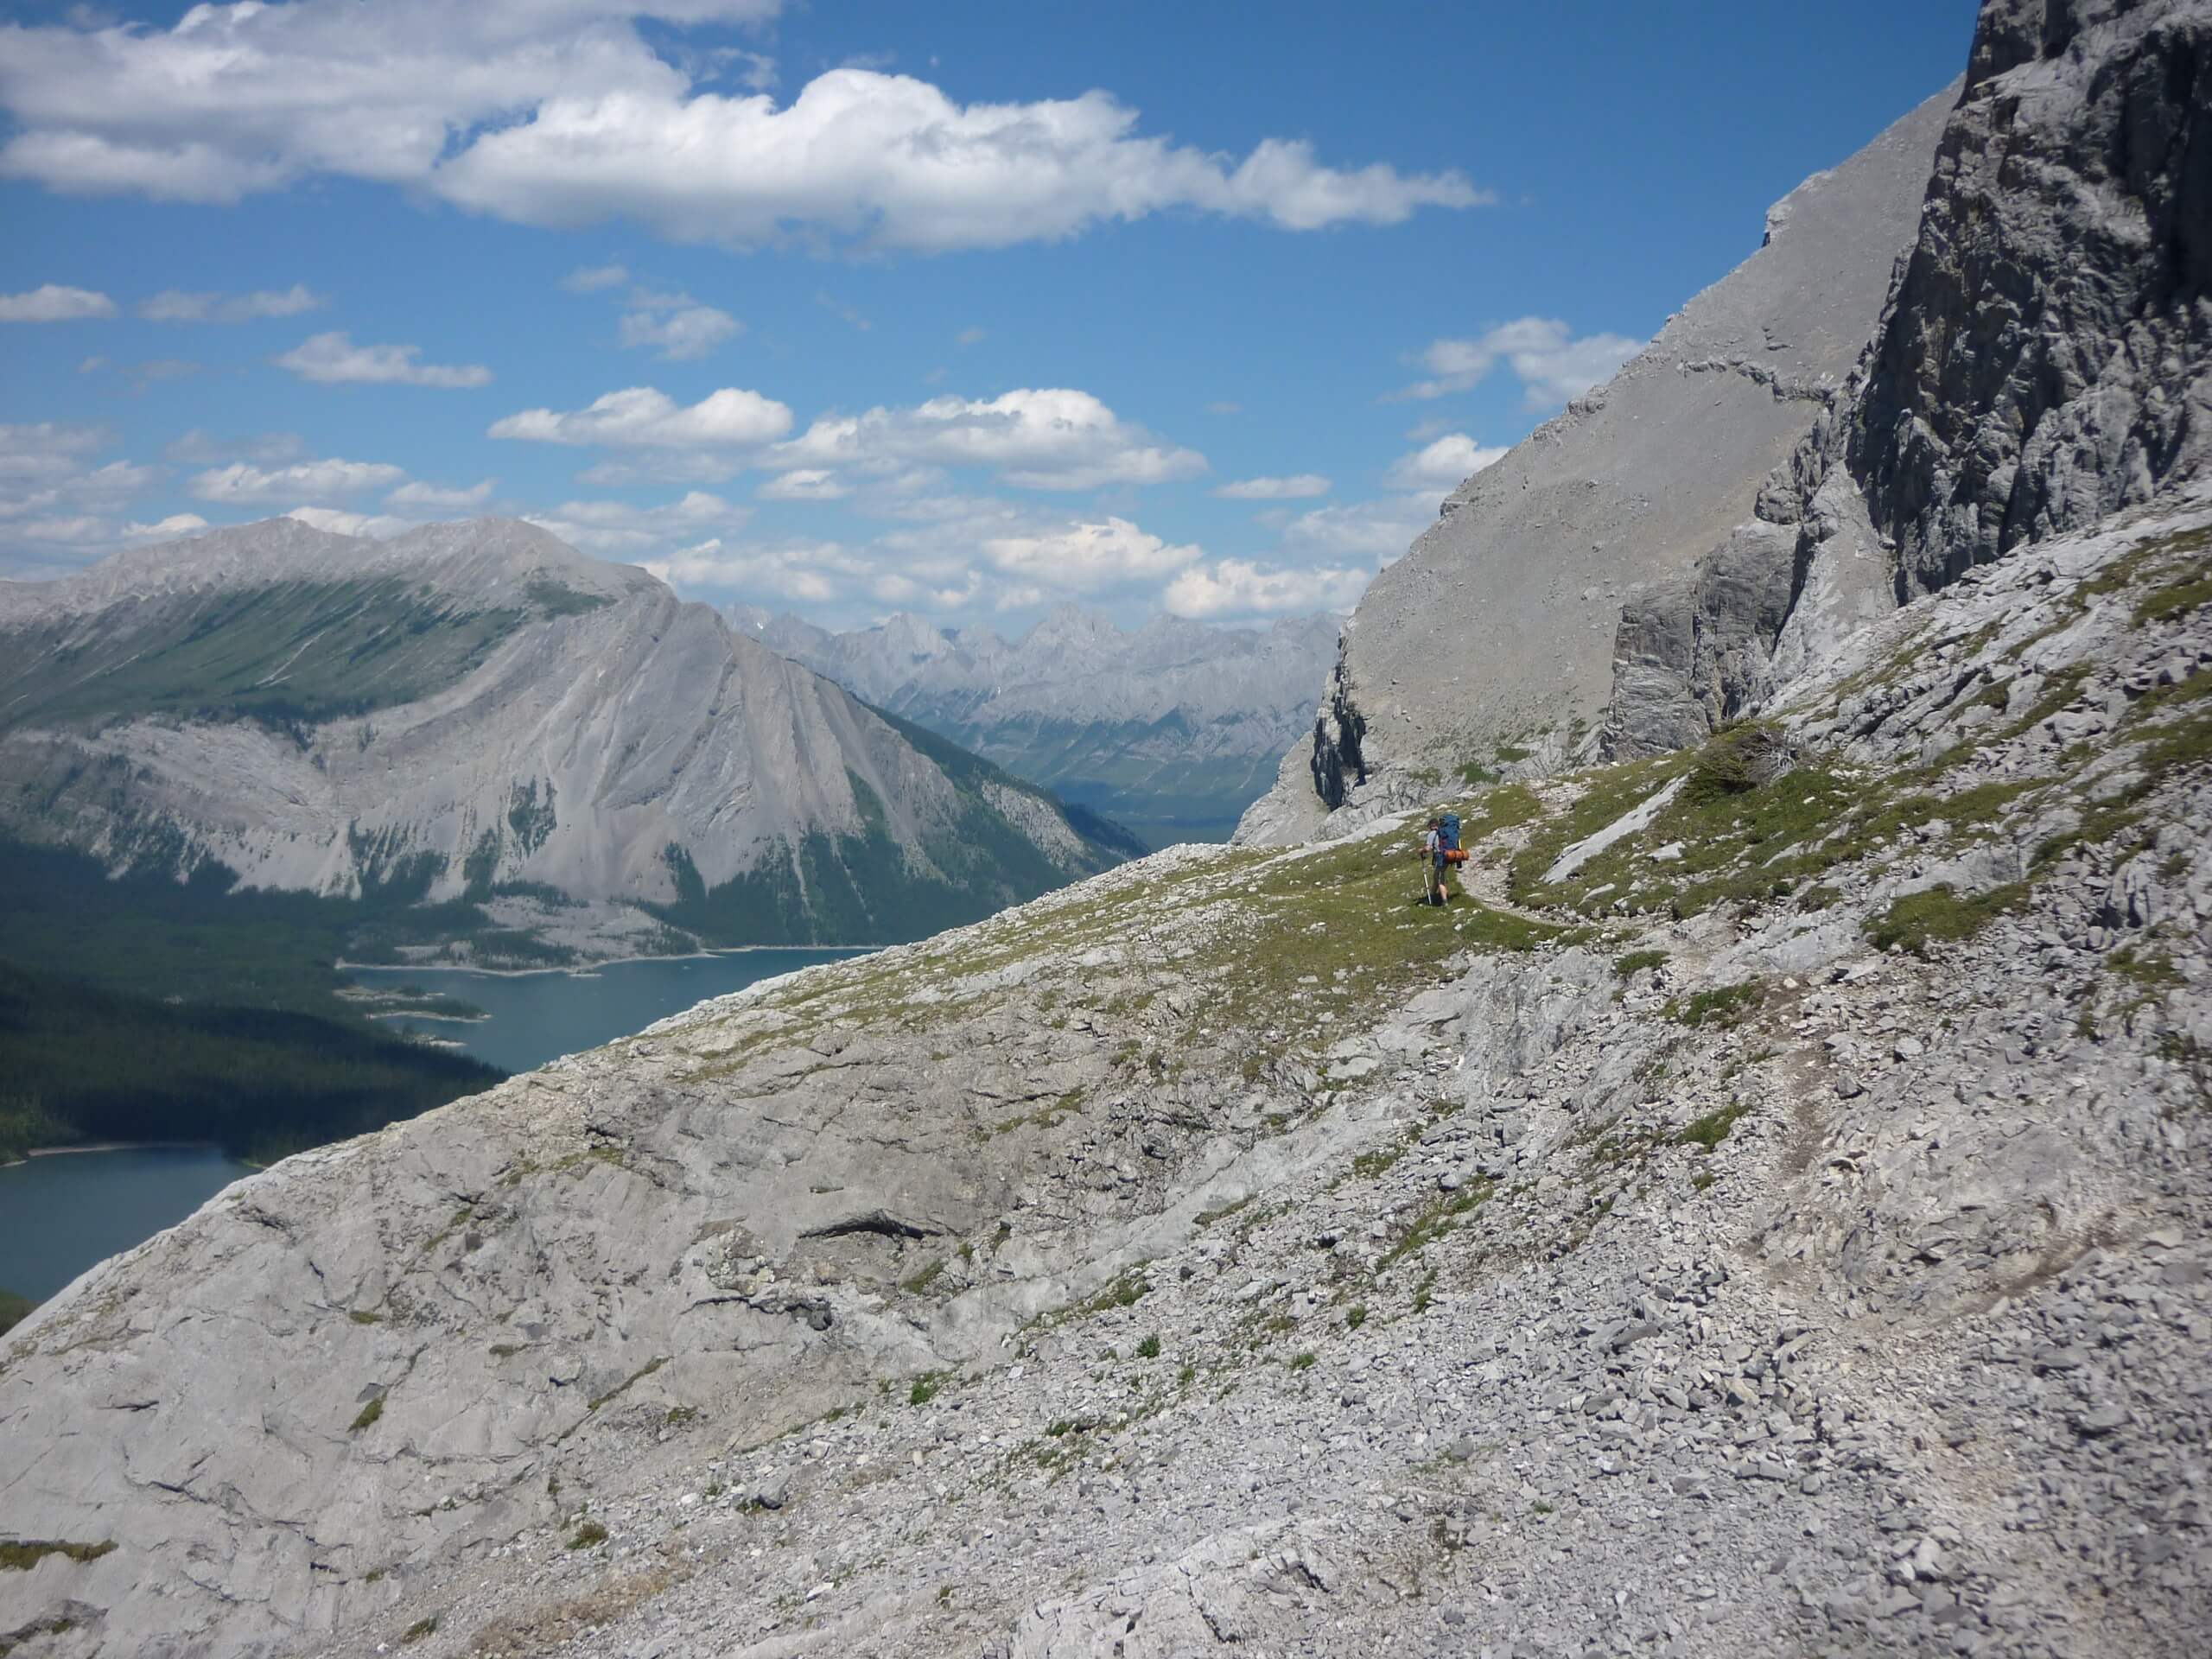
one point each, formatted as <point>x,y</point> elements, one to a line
<point>584,969</point>
<point>31,1153</point>
<point>534,1017</point>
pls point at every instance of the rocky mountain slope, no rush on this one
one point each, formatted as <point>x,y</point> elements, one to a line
<point>475,713</point>
<point>1510,601</point>
<point>2042,359</point>
<point>1767,1215</point>
<point>1173,730</point>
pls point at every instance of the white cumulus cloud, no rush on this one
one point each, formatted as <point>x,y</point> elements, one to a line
<point>1234,588</point>
<point>562,113</point>
<point>1444,464</point>
<point>809,573</point>
<point>244,483</point>
<point>675,326</point>
<point>643,417</point>
<point>177,525</point>
<point>589,279</point>
<point>1551,363</point>
<point>1045,439</point>
<point>891,162</point>
<point>174,305</point>
<point>434,499</point>
<point>332,358</point>
<point>377,526</point>
<point>1381,529</point>
<point>43,448</point>
<point>804,484</point>
<point>55,500</point>
<point>1302,487</point>
<point>1087,558</point>
<point>620,527</point>
<point>51,303</point>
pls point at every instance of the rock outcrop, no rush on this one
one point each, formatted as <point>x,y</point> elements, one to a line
<point>2045,361</point>
<point>1766,1212</point>
<point>1496,629</point>
<point>476,712</point>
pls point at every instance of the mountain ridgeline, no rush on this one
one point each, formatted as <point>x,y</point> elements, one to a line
<point>501,750</point>
<point>1172,730</point>
<point>1765,1212</point>
<point>1925,366</point>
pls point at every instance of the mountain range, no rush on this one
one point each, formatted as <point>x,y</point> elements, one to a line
<point>508,750</point>
<point>1171,730</point>
<point>1765,1212</point>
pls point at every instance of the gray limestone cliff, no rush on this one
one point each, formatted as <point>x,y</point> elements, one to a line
<point>1496,629</point>
<point>2045,361</point>
<point>2048,358</point>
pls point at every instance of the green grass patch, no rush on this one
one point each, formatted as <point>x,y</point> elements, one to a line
<point>1629,966</point>
<point>1939,916</point>
<point>1709,1131</point>
<point>421,1628</point>
<point>366,1417</point>
<point>1148,1348</point>
<point>1222,1211</point>
<point>922,1280</point>
<point>21,1555</point>
<point>2174,597</point>
<point>1433,1224</point>
<point>588,1535</point>
<point>2143,965</point>
<point>1721,1006</point>
<point>927,1388</point>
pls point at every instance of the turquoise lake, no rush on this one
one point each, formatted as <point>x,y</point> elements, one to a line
<point>62,1212</point>
<point>539,1017</point>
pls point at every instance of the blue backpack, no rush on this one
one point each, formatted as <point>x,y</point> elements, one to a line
<point>1447,832</point>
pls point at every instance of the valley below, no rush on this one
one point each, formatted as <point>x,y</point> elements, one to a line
<point>1766,1209</point>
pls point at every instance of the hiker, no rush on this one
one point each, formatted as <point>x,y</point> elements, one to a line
<point>1432,864</point>
<point>1440,847</point>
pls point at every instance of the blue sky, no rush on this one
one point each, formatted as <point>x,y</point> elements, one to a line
<point>963,309</point>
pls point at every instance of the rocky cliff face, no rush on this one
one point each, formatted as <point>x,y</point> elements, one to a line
<point>2047,359</point>
<point>1766,1215</point>
<point>1496,631</point>
<point>475,712</point>
<point>2041,364</point>
<point>1173,728</point>
<point>1766,1212</point>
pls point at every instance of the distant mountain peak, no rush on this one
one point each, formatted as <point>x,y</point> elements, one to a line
<point>1173,728</point>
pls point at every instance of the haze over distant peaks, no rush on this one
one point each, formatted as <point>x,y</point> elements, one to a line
<point>1171,728</point>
